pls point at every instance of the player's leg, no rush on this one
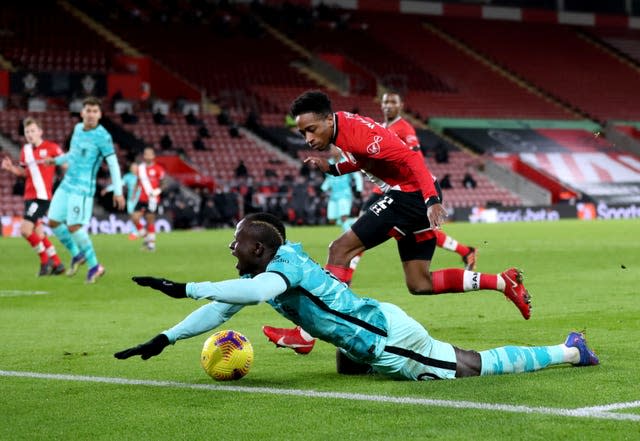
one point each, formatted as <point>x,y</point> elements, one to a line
<point>515,359</point>
<point>150,238</point>
<point>410,352</point>
<point>136,218</point>
<point>53,258</point>
<point>347,366</point>
<point>79,216</point>
<point>32,212</point>
<point>468,254</point>
<point>58,211</point>
<point>371,229</point>
<point>416,259</point>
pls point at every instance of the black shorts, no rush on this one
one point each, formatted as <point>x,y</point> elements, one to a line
<point>372,200</point>
<point>376,196</point>
<point>144,207</point>
<point>402,216</point>
<point>35,209</point>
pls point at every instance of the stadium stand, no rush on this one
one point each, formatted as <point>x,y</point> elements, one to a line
<point>559,61</point>
<point>247,69</point>
<point>40,36</point>
<point>447,82</point>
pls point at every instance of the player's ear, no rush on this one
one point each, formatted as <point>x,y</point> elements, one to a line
<point>329,120</point>
<point>259,249</point>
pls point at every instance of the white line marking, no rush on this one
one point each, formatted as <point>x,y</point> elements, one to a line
<point>18,293</point>
<point>614,406</point>
<point>583,413</point>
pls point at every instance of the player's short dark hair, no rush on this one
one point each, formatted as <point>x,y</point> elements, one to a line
<point>92,101</point>
<point>393,92</point>
<point>268,228</point>
<point>312,101</point>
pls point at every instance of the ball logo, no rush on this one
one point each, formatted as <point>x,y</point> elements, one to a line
<point>374,147</point>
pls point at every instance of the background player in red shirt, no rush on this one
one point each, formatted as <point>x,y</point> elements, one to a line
<point>409,211</point>
<point>391,107</point>
<point>37,193</point>
<point>150,176</point>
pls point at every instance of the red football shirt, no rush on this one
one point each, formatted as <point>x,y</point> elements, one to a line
<point>404,130</point>
<point>149,177</point>
<point>39,179</point>
<point>379,152</point>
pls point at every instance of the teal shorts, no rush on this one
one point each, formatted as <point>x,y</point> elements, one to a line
<point>410,352</point>
<point>70,208</point>
<point>337,208</point>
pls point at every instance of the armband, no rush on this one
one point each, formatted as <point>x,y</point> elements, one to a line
<point>432,201</point>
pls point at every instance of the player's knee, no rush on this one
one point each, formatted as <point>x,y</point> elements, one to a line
<point>468,363</point>
<point>346,366</point>
<point>420,287</point>
<point>26,230</point>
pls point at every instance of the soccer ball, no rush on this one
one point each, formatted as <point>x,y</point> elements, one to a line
<point>227,355</point>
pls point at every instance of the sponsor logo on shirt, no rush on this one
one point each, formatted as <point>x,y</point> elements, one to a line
<point>374,147</point>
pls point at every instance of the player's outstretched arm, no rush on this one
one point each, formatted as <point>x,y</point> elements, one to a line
<point>146,350</point>
<point>172,289</point>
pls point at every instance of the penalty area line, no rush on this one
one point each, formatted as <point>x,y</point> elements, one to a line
<point>593,413</point>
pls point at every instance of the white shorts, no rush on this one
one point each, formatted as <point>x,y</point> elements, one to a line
<point>411,353</point>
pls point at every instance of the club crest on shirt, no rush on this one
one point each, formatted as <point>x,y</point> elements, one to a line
<point>43,153</point>
<point>374,147</point>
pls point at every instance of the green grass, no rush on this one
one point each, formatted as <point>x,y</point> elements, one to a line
<point>574,270</point>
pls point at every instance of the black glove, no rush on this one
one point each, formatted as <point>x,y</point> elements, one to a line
<point>357,194</point>
<point>172,289</point>
<point>146,350</point>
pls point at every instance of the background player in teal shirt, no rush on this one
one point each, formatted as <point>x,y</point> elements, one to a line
<point>340,189</point>
<point>72,203</point>
<point>374,335</point>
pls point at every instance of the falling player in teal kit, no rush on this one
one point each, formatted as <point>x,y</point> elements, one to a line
<point>374,335</point>
<point>72,203</point>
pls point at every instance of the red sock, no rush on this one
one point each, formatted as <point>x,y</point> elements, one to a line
<point>342,273</point>
<point>441,236</point>
<point>36,243</point>
<point>449,243</point>
<point>51,251</point>
<point>459,280</point>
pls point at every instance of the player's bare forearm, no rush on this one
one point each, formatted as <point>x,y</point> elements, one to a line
<point>9,166</point>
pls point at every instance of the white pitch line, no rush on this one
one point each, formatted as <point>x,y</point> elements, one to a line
<point>608,407</point>
<point>583,413</point>
<point>19,293</point>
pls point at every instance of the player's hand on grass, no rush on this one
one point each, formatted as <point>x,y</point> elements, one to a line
<point>172,289</point>
<point>146,350</point>
<point>437,215</point>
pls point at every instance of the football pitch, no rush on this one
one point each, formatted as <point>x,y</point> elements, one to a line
<point>59,379</point>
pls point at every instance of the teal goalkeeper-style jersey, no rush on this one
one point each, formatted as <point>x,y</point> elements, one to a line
<point>88,149</point>
<point>301,290</point>
<point>325,307</point>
